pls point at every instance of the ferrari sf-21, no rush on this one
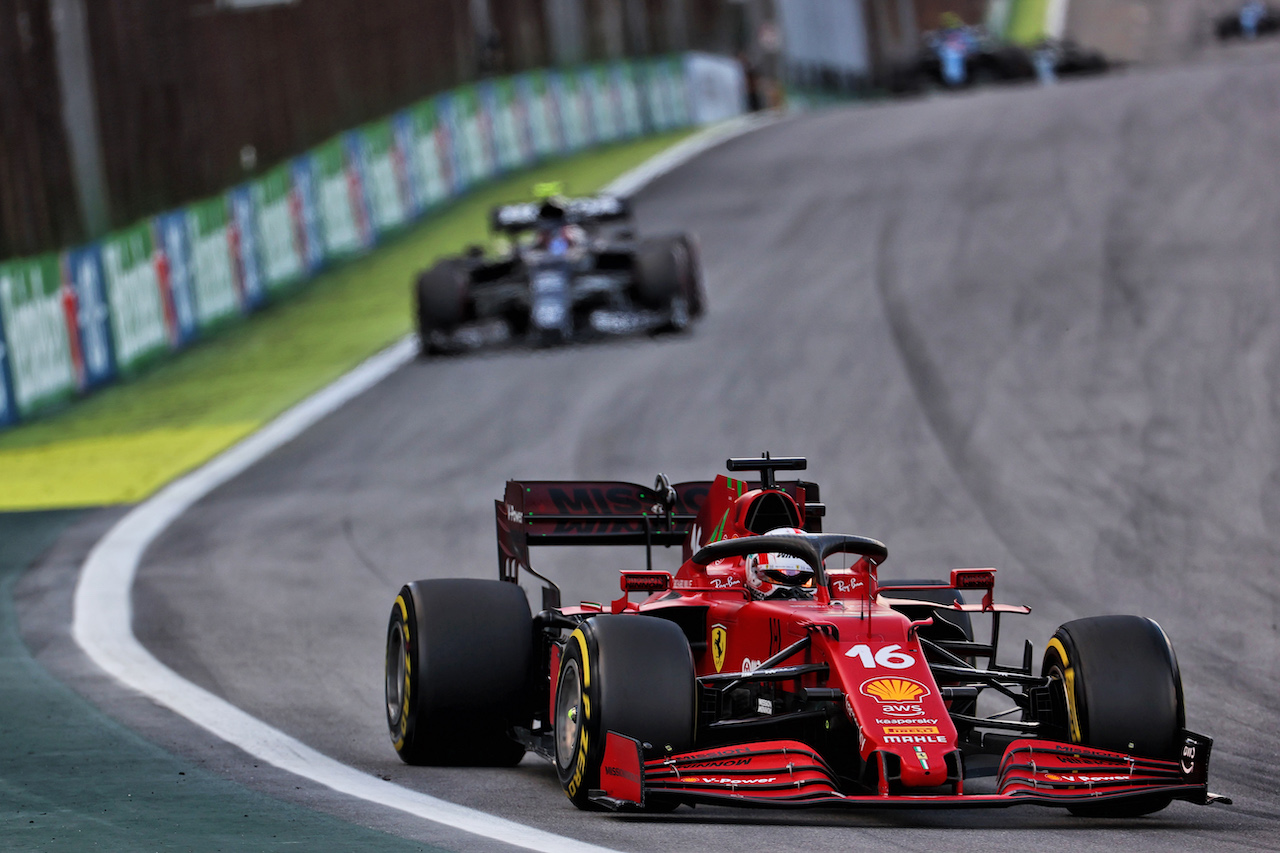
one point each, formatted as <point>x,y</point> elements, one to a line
<point>773,668</point>
<point>572,268</point>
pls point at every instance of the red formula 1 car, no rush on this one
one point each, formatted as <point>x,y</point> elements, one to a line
<point>772,668</point>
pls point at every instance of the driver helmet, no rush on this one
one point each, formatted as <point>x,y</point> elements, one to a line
<point>773,575</point>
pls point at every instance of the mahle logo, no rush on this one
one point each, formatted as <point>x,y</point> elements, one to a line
<point>895,690</point>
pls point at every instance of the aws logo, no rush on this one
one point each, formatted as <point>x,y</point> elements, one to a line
<point>887,690</point>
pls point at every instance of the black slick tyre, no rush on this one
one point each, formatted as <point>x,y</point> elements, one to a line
<point>625,673</point>
<point>459,672</point>
<point>695,286</point>
<point>659,267</point>
<point>440,302</point>
<point>1123,692</point>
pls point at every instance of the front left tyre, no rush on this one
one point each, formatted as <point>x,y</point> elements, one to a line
<point>459,659</point>
<point>624,673</point>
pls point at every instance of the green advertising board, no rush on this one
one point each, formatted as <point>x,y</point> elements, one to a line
<point>133,295</point>
<point>278,255</point>
<point>575,116</point>
<point>631,116</point>
<point>213,277</point>
<point>382,173</point>
<point>505,122</point>
<point>597,81</point>
<point>672,72</point>
<point>35,326</point>
<point>427,155</point>
<point>540,106</point>
<point>470,145</point>
<point>342,236</point>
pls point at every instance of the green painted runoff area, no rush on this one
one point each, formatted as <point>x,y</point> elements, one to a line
<point>73,779</point>
<point>125,442</point>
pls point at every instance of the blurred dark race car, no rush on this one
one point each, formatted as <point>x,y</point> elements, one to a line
<point>1251,20</point>
<point>958,57</point>
<point>772,667</point>
<point>573,268</point>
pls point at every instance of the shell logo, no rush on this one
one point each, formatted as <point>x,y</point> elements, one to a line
<point>895,689</point>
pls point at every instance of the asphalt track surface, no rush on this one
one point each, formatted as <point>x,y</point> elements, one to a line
<point>1033,329</point>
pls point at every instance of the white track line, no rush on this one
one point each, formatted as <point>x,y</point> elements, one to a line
<point>102,620</point>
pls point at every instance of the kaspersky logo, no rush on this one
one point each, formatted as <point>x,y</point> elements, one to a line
<point>898,697</point>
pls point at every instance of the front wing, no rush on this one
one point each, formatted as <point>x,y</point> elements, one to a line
<point>787,773</point>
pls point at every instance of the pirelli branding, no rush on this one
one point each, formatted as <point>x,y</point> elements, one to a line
<point>911,730</point>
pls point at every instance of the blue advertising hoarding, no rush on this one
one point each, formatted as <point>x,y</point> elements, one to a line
<point>8,411</point>
<point>171,237</point>
<point>310,231</point>
<point>244,242</point>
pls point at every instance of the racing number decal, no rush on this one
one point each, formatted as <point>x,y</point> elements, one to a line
<point>886,656</point>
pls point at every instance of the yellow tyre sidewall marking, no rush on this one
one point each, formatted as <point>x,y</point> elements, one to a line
<point>580,761</point>
<point>403,728</point>
<point>1069,683</point>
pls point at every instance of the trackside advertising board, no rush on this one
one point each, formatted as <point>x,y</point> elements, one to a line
<point>213,276</point>
<point>280,258</point>
<point>38,346</point>
<point>8,408</point>
<point>382,165</point>
<point>82,279</point>
<point>627,89</point>
<point>575,112</point>
<point>469,131</point>
<point>73,322</point>
<point>340,200</point>
<point>141,315</point>
<point>424,145</point>
<point>543,113</point>
<point>507,126</point>
<point>172,262</point>
<point>597,84</point>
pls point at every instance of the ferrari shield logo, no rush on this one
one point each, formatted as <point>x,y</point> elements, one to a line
<point>719,638</point>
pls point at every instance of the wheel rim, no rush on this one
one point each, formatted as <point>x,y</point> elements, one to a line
<point>397,662</point>
<point>568,714</point>
<point>1067,686</point>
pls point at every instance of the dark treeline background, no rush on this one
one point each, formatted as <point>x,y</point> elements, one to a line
<point>182,88</point>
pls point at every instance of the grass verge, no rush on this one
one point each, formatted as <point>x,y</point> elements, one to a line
<point>123,443</point>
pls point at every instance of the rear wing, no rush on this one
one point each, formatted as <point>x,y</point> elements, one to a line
<point>573,512</point>
<point>513,218</point>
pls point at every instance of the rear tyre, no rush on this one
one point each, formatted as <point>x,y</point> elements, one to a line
<point>1123,692</point>
<point>629,674</point>
<point>458,672</point>
<point>440,301</point>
